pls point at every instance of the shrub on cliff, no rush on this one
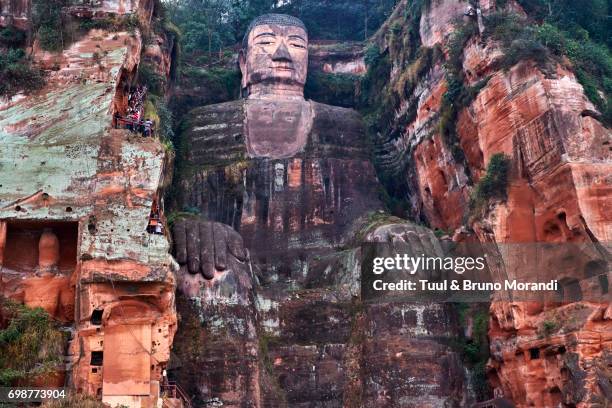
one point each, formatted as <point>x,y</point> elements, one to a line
<point>457,96</point>
<point>18,74</point>
<point>592,63</point>
<point>333,89</point>
<point>474,349</point>
<point>76,400</point>
<point>518,38</point>
<point>156,109</point>
<point>11,37</point>
<point>47,23</point>
<point>30,345</point>
<point>147,76</point>
<point>114,23</point>
<point>592,17</point>
<point>559,36</point>
<point>495,182</point>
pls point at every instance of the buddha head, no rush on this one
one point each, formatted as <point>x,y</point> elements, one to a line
<point>274,55</point>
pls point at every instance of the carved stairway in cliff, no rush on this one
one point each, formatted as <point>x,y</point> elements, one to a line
<point>175,396</point>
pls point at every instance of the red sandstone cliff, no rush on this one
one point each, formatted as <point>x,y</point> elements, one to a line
<point>113,282</point>
<point>76,197</point>
<point>559,191</point>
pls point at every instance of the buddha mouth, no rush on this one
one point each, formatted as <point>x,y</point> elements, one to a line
<point>283,68</point>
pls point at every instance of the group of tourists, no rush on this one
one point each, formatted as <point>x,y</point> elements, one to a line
<point>134,123</point>
<point>133,120</point>
<point>155,225</point>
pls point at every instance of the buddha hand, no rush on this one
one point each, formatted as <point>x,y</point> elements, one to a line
<point>206,247</point>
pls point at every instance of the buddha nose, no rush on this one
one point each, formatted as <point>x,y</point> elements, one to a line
<point>282,54</point>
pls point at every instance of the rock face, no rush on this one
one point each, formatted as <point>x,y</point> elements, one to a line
<point>75,200</point>
<point>569,364</point>
<point>334,58</point>
<point>15,13</point>
<point>267,276</point>
<point>559,192</point>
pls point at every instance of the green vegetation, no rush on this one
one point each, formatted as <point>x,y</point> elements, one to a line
<point>566,30</point>
<point>457,96</point>
<point>156,109</point>
<point>372,221</point>
<point>18,74</point>
<point>31,345</point>
<point>148,76</point>
<point>55,30</point>
<point>439,233</point>
<point>266,341</point>
<point>222,82</point>
<point>475,350</point>
<point>163,26</point>
<point>548,328</point>
<point>576,31</point>
<point>11,37</point>
<point>47,23</point>
<point>173,216</point>
<point>111,23</point>
<point>591,18</point>
<point>517,37</point>
<point>379,98</point>
<point>493,185</point>
<point>212,29</point>
<point>155,105</point>
<point>333,89</point>
<point>495,182</point>
<point>592,63</point>
<point>76,400</point>
<point>209,26</point>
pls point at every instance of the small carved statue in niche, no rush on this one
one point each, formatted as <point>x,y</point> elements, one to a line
<point>48,251</point>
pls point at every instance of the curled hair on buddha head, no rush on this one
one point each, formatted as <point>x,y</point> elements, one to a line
<point>277,19</point>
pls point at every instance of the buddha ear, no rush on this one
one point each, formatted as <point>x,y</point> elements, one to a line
<point>242,63</point>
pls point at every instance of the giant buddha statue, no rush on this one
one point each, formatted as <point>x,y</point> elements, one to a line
<point>269,279</point>
<point>289,174</point>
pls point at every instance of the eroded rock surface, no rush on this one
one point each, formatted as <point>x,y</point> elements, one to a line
<point>559,192</point>
<point>75,200</point>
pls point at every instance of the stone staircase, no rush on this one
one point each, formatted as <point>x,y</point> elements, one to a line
<point>175,396</point>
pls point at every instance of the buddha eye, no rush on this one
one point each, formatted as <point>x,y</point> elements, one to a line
<point>299,46</point>
<point>264,43</point>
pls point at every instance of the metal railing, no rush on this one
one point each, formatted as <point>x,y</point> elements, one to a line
<point>139,126</point>
<point>172,390</point>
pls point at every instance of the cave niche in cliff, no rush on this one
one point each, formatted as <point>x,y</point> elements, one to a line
<point>96,317</point>
<point>569,290</point>
<point>21,253</point>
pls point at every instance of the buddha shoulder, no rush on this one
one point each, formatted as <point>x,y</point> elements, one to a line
<point>339,129</point>
<point>215,133</point>
<point>216,118</point>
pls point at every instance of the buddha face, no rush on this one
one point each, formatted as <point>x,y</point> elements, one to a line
<point>275,55</point>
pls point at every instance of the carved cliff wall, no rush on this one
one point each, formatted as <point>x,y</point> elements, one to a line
<point>75,187</point>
